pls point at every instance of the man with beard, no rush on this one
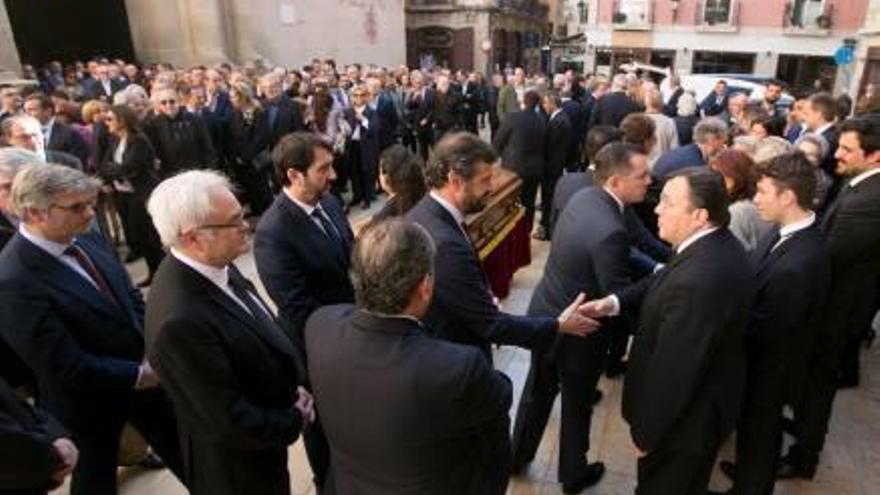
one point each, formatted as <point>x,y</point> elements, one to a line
<point>302,248</point>
<point>460,178</point>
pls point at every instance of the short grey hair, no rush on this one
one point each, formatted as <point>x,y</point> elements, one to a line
<point>687,104</point>
<point>770,147</point>
<point>390,259</point>
<point>815,139</point>
<point>709,127</point>
<point>183,202</point>
<point>12,160</point>
<point>36,186</point>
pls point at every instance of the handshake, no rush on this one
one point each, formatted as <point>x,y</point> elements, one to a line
<point>581,318</point>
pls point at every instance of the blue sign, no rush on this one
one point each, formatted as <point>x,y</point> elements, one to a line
<point>844,55</point>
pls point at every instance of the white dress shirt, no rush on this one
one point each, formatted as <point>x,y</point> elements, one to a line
<point>217,276</point>
<point>862,176</point>
<point>56,250</point>
<point>309,210</point>
<point>789,230</point>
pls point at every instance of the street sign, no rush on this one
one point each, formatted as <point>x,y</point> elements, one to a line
<point>845,55</point>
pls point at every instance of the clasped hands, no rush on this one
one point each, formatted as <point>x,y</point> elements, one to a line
<point>581,317</point>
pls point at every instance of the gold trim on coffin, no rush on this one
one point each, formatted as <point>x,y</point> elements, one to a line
<point>503,233</point>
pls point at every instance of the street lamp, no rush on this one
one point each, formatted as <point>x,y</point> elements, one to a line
<point>582,11</point>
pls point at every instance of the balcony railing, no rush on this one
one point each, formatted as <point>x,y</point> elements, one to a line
<point>718,15</point>
<point>633,15</point>
<point>808,17</point>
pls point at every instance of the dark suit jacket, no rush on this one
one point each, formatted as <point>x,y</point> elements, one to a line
<point>677,159</point>
<point>232,381</point>
<point>288,119</point>
<point>7,230</point>
<point>829,162</point>
<point>299,266</point>
<point>712,106</point>
<point>462,310</point>
<point>521,142</point>
<point>83,349</point>
<point>684,126</point>
<point>557,151</point>
<point>216,120</point>
<point>93,89</point>
<point>138,164</point>
<point>12,369</point>
<point>370,137</point>
<point>589,254</point>
<point>181,143</point>
<point>405,413</point>
<point>792,289</point>
<point>612,108</point>
<point>852,231</point>
<point>27,457</point>
<point>671,106</point>
<point>65,138</point>
<point>387,114</point>
<point>686,375</point>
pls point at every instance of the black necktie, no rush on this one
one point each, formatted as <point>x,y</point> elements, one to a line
<point>257,311</point>
<point>83,260</point>
<point>326,225</point>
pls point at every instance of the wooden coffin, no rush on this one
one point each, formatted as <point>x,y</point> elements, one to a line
<point>503,207</point>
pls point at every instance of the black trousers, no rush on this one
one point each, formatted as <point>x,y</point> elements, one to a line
<point>151,414</point>
<point>528,194</point>
<point>548,185</point>
<point>425,138</point>
<point>143,238</point>
<point>544,381</point>
<point>363,178</point>
<point>317,451</point>
<point>759,431</point>
<point>665,472</point>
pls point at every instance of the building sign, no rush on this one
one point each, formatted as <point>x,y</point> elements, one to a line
<point>434,37</point>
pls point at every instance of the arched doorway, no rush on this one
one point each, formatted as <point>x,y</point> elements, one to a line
<point>69,30</point>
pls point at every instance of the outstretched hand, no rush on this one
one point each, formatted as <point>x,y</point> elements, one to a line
<point>574,322</point>
<point>597,308</point>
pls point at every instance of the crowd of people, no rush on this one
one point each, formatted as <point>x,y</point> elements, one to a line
<point>722,256</point>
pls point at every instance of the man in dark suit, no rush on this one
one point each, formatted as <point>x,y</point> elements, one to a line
<point>792,266</point>
<point>302,247</point>
<point>420,104</point>
<point>710,137</point>
<point>852,230</point>
<point>362,148</point>
<point>683,388</point>
<point>281,113</point>
<point>404,413</point>
<point>577,115</point>
<point>670,108</point>
<point>56,136</point>
<point>521,141</point>
<point>71,313</point>
<point>590,255</point>
<point>102,86</point>
<point>463,309</point>
<point>820,117</point>
<point>715,103</point>
<point>231,371</point>
<point>382,103</point>
<point>612,107</point>
<point>35,451</point>
<point>557,151</point>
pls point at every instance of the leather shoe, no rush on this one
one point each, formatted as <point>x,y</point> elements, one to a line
<point>787,468</point>
<point>591,475</point>
<point>728,468</point>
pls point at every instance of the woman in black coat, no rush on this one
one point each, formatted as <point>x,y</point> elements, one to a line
<point>129,164</point>
<point>247,149</point>
<point>400,173</point>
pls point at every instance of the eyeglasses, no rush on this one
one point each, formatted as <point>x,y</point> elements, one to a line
<point>167,102</point>
<point>237,223</point>
<point>77,207</point>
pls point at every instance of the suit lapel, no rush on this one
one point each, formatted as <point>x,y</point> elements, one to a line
<point>304,224</point>
<point>274,336</point>
<point>54,272</point>
<point>113,277</point>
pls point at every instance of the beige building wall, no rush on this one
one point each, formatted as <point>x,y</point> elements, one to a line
<point>9,60</point>
<point>284,32</point>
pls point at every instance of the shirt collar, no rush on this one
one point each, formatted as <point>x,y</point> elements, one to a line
<point>456,214</point>
<point>823,128</point>
<point>555,113</point>
<point>219,276</point>
<point>792,228</point>
<point>56,249</point>
<point>696,236</point>
<point>617,200</point>
<point>864,175</point>
<point>307,208</point>
<point>48,127</point>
